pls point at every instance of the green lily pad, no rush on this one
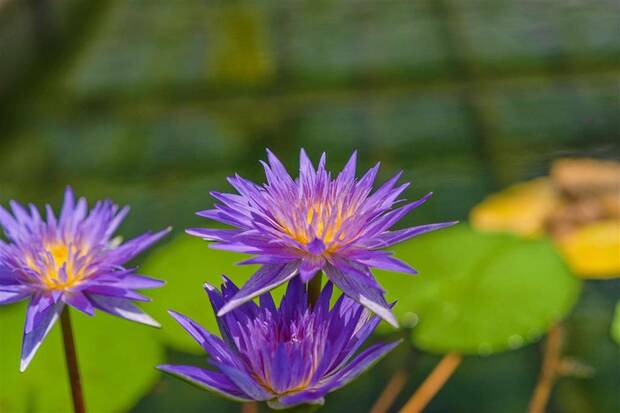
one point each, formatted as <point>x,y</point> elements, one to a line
<point>479,293</point>
<point>615,325</point>
<point>186,263</point>
<point>117,361</point>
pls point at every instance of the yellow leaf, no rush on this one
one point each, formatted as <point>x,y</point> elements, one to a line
<point>521,209</point>
<point>593,251</point>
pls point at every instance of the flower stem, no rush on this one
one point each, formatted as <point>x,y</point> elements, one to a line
<point>72,364</point>
<point>314,288</point>
<point>550,370</point>
<point>433,383</point>
<point>390,392</point>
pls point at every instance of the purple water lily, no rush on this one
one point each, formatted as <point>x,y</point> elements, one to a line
<point>70,260</point>
<point>294,354</point>
<point>311,224</point>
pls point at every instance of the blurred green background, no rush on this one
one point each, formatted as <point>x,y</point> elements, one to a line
<point>153,103</point>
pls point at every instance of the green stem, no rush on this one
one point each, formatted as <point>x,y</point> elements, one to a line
<point>72,363</point>
<point>314,288</point>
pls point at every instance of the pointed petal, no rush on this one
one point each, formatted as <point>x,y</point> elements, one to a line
<point>44,321</point>
<point>208,380</point>
<point>354,286</point>
<point>383,260</point>
<point>113,291</point>
<point>67,205</point>
<point>213,345</point>
<point>122,308</point>
<point>244,381</point>
<point>294,299</point>
<point>135,246</point>
<point>265,279</point>
<point>12,293</point>
<point>361,363</point>
<point>38,304</point>
<point>79,301</point>
<point>280,370</point>
<point>348,172</point>
<point>309,267</point>
<point>306,169</point>
<point>388,239</point>
<point>276,166</point>
<point>135,281</point>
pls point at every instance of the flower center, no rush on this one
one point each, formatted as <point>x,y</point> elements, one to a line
<point>59,270</point>
<point>321,220</point>
<point>60,252</point>
<point>297,340</point>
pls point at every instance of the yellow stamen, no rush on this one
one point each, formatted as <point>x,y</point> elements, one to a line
<point>51,277</point>
<point>320,217</point>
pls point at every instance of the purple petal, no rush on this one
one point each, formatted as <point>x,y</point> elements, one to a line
<point>214,234</point>
<point>67,205</point>
<point>280,370</point>
<point>79,301</point>
<point>209,380</point>
<point>309,267</point>
<point>306,169</point>
<point>44,321</point>
<point>294,299</point>
<point>383,260</point>
<point>348,172</point>
<point>322,304</point>
<point>276,165</point>
<point>38,304</point>
<point>361,363</point>
<point>388,220</point>
<point>13,293</point>
<point>265,279</point>
<point>113,291</point>
<point>212,344</point>
<point>8,277</point>
<point>367,295</point>
<point>130,281</point>
<point>217,302</point>
<point>133,247</point>
<point>11,227</point>
<point>388,239</point>
<point>244,381</point>
<point>122,308</point>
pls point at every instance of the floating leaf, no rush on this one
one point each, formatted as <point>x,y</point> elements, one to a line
<point>479,292</point>
<point>117,359</point>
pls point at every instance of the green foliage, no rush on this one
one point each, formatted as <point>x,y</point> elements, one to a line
<point>479,293</point>
<point>615,325</point>
<point>117,362</point>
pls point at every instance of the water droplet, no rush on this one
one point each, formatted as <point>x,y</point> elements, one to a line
<point>515,341</point>
<point>410,319</point>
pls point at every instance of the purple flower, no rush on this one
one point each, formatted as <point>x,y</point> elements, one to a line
<point>70,260</point>
<point>311,224</point>
<point>292,355</point>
